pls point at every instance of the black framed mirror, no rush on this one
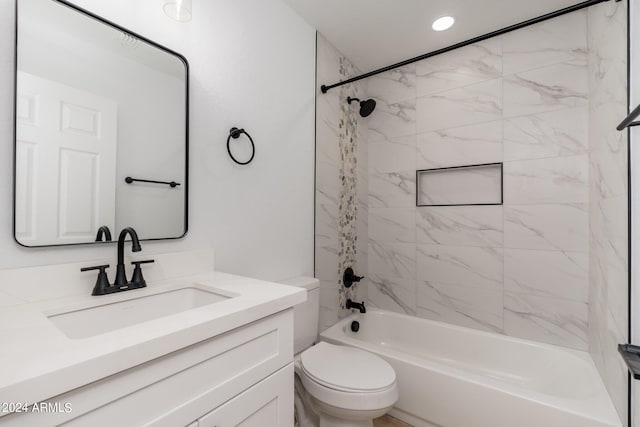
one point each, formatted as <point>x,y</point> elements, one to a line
<point>101,130</point>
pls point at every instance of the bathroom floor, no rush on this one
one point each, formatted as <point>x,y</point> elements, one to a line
<point>389,421</point>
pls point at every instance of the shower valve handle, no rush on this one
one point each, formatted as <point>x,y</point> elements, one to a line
<point>349,277</point>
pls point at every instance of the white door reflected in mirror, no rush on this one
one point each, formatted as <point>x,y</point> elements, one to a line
<point>65,151</point>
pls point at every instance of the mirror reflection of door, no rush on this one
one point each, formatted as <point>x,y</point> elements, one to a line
<point>65,162</point>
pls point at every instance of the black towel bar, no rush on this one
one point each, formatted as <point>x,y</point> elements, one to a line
<point>171,184</point>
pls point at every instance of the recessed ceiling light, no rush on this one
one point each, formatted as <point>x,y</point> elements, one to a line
<point>443,23</point>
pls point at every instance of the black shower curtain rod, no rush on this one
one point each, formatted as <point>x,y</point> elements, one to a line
<point>505,30</point>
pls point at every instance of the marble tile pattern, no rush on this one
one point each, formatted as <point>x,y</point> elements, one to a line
<point>394,119</point>
<point>544,89</point>
<point>396,189</point>
<point>521,268</point>
<point>465,145</point>
<point>554,180</point>
<point>557,274</point>
<point>471,307</point>
<point>608,205</point>
<point>561,40</point>
<point>468,65</point>
<point>392,225</point>
<point>559,227</point>
<point>460,225</point>
<point>552,320</point>
<point>394,154</point>
<point>399,83</point>
<point>392,259</point>
<point>394,294</point>
<point>545,135</point>
<point>476,103</point>
<point>473,267</point>
<point>341,185</point>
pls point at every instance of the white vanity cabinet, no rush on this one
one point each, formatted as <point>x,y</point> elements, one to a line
<point>267,404</point>
<point>243,377</point>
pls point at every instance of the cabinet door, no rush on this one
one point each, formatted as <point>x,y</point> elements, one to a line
<point>267,404</point>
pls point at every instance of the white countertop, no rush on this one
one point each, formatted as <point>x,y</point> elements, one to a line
<point>39,361</point>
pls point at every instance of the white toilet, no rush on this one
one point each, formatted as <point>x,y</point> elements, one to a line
<point>336,386</point>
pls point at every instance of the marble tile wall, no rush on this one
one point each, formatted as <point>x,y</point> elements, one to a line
<point>522,268</point>
<point>551,263</point>
<point>341,185</point>
<point>608,206</point>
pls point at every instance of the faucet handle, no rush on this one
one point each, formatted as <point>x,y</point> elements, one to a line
<point>137,280</point>
<point>146,261</point>
<point>96,267</point>
<point>102,282</point>
<point>349,277</point>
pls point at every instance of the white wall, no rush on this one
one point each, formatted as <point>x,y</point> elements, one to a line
<point>252,66</point>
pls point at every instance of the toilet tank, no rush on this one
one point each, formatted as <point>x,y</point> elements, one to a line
<point>305,315</point>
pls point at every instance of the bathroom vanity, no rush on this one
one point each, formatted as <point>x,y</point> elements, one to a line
<point>219,354</point>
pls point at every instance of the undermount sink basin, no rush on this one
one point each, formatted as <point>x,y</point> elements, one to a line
<point>88,322</point>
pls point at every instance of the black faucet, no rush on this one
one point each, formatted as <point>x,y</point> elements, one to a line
<point>102,286</point>
<point>121,277</point>
<point>357,305</point>
<point>103,232</point>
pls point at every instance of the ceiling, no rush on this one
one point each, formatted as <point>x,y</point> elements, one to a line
<point>376,33</point>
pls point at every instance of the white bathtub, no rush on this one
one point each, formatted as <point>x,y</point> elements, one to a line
<point>452,376</point>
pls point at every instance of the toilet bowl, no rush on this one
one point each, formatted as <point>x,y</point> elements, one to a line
<point>336,386</point>
<point>346,386</point>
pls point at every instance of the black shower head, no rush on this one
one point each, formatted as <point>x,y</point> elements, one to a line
<point>366,107</point>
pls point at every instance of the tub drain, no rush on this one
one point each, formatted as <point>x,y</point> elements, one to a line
<point>355,326</point>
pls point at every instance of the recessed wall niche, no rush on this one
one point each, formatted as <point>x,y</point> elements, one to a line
<point>460,185</point>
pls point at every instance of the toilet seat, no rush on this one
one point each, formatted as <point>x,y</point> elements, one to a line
<point>347,378</point>
<point>347,369</point>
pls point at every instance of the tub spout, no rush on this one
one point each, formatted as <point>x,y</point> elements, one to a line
<point>357,305</point>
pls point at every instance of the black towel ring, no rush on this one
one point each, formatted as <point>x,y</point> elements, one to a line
<point>235,134</point>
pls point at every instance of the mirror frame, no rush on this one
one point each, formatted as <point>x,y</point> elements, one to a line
<point>104,21</point>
